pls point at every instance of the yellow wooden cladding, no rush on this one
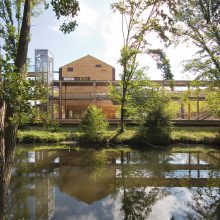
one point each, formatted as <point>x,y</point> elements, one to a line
<point>75,98</point>
<point>88,66</point>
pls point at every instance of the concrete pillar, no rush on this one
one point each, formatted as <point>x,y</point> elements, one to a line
<point>197,108</point>
<point>189,110</point>
<point>198,162</point>
<point>182,111</point>
<point>66,116</point>
<point>189,160</point>
<point>189,104</point>
<point>60,100</point>
<point>94,93</point>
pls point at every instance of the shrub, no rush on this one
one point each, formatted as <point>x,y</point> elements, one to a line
<point>157,126</point>
<point>94,124</point>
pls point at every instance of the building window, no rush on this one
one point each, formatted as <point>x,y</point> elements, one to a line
<point>77,78</point>
<point>69,69</point>
<point>81,78</point>
<point>98,65</point>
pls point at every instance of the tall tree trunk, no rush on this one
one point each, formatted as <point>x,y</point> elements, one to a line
<point>123,110</point>
<point>5,177</point>
<point>2,161</point>
<point>8,130</point>
<point>20,68</point>
<point>21,58</point>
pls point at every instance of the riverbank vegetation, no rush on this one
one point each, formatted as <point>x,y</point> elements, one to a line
<point>193,135</point>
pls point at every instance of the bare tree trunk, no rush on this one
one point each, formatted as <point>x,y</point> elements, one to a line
<point>123,111</point>
<point>21,58</point>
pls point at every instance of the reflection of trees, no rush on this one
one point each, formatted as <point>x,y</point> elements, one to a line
<point>137,203</point>
<point>206,203</point>
<point>91,175</point>
<point>6,159</point>
<point>18,206</point>
<point>5,175</point>
<point>18,203</point>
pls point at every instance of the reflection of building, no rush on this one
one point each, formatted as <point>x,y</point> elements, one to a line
<point>82,179</point>
<point>44,199</point>
<point>78,175</point>
<point>87,184</point>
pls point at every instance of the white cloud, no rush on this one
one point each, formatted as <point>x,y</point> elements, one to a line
<point>112,36</point>
<point>87,15</point>
<point>54,28</point>
<point>87,19</point>
<point>96,22</point>
<point>176,203</point>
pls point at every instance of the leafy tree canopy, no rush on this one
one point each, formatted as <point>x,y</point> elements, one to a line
<point>198,21</point>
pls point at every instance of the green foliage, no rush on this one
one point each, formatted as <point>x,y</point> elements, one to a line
<point>146,97</point>
<point>139,18</point>
<point>163,63</point>
<point>130,136</point>
<point>196,136</point>
<point>198,22</point>
<point>36,136</point>
<point>15,90</point>
<point>151,105</point>
<point>66,8</point>
<point>16,96</point>
<point>156,128</point>
<point>213,99</point>
<point>116,92</point>
<point>94,124</point>
<point>172,109</point>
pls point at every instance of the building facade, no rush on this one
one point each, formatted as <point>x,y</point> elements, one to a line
<point>81,83</point>
<point>86,81</point>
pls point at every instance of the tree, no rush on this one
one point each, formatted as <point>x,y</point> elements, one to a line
<point>163,63</point>
<point>15,22</point>
<point>151,103</point>
<point>198,21</point>
<point>139,18</point>
<point>94,124</point>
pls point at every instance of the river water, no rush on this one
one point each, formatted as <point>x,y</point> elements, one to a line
<point>88,184</point>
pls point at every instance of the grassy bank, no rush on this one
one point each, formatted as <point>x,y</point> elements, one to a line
<point>178,135</point>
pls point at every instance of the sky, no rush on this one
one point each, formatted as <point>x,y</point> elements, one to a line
<point>99,34</point>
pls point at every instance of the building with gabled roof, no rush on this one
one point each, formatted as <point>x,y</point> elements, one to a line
<point>83,82</point>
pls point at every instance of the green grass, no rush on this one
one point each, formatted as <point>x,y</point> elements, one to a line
<point>196,135</point>
<point>58,147</point>
<point>197,149</point>
<point>37,136</point>
<point>178,135</point>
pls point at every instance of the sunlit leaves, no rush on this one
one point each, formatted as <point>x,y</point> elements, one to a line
<point>162,62</point>
<point>139,18</point>
<point>199,21</point>
<point>68,9</point>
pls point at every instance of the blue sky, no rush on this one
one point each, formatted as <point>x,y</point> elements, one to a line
<point>98,34</point>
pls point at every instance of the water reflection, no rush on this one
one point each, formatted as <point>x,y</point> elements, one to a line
<point>89,184</point>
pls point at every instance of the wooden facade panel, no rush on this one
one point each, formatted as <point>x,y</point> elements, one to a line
<point>79,89</point>
<point>104,103</point>
<point>78,103</point>
<point>88,66</point>
<point>102,89</point>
